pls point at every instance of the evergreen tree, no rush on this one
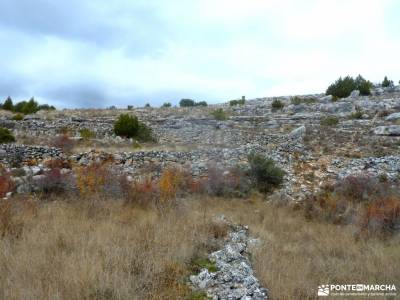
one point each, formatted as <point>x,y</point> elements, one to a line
<point>8,104</point>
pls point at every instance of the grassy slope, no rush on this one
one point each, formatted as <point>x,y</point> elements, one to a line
<point>106,250</point>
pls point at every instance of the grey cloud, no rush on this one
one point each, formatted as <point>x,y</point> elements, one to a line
<point>77,95</point>
<point>107,24</point>
<point>13,86</point>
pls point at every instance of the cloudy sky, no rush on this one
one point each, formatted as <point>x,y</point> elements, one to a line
<point>96,53</point>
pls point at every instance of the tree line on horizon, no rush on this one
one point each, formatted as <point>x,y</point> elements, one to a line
<point>25,107</point>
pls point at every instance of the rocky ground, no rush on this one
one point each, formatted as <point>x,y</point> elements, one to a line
<point>234,278</point>
<point>365,139</point>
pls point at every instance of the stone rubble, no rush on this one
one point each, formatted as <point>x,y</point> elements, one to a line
<point>234,278</point>
<point>252,127</point>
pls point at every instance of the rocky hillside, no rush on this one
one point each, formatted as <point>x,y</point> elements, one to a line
<point>313,138</point>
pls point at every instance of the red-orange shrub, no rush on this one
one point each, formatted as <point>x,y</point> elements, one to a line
<point>170,182</point>
<point>57,163</point>
<point>6,184</point>
<point>381,217</point>
<point>142,192</point>
<point>91,179</point>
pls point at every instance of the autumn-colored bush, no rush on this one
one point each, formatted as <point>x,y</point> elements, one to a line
<point>362,187</point>
<point>6,184</point>
<point>142,192</point>
<point>170,182</point>
<point>325,206</point>
<point>91,179</point>
<point>370,203</point>
<point>381,217</point>
<point>57,163</point>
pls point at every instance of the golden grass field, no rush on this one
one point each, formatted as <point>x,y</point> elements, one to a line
<point>108,250</point>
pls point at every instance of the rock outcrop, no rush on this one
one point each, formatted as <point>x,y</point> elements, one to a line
<point>234,278</point>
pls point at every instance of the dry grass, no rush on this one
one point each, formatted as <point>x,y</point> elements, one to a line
<point>296,255</point>
<point>105,250</point>
<point>102,251</point>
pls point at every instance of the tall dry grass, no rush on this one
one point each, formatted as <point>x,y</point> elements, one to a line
<point>297,255</point>
<point>107,250</point>
<point>102,250</point>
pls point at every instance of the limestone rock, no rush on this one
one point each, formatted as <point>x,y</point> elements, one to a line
<point>393,117</point>
<point>298,132</point>
<point>388,130</point>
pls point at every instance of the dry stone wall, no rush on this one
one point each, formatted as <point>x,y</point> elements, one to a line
<point>254,126</point>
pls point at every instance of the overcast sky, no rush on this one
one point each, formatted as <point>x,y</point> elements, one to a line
<point>96,53</point>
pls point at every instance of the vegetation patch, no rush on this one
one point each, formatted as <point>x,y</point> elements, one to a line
<point>191,103</point>
<point>356,115</point>
<point>329,121</point>
<point>297,100</point>
<point>18,117</point>
<point>198,264</point>
<point>343,87</point>
<point>387,83</point>
<point>130,127</point>
<point>370,203</point>
<point>237,102</point>
<point>87,134</point>
<point>220,115</point>
<point>6,136</point>
<point>264,173</point>
<point>25,107</point>
<point>277,104</point>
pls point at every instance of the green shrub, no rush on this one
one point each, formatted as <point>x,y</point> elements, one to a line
<point>237,102</point>
<point>219,114</point>
<point>277,104</point>
<point>86,134</point>
<point>186,103</point>
<point>18,117</point>
<point>46,107</point>
<point>264,173</point>
<point>356,115</point>
<point>147,105</point>
<point>130,127</point>
<point>166,104</point>
<point>191,103</point>
<point>201,103</point>
<point>296,100</point>
<point>6,136</point>
<point>365,88</point>
<point>329,121</point>
<point>343,87</point>
<point>387,83</point>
